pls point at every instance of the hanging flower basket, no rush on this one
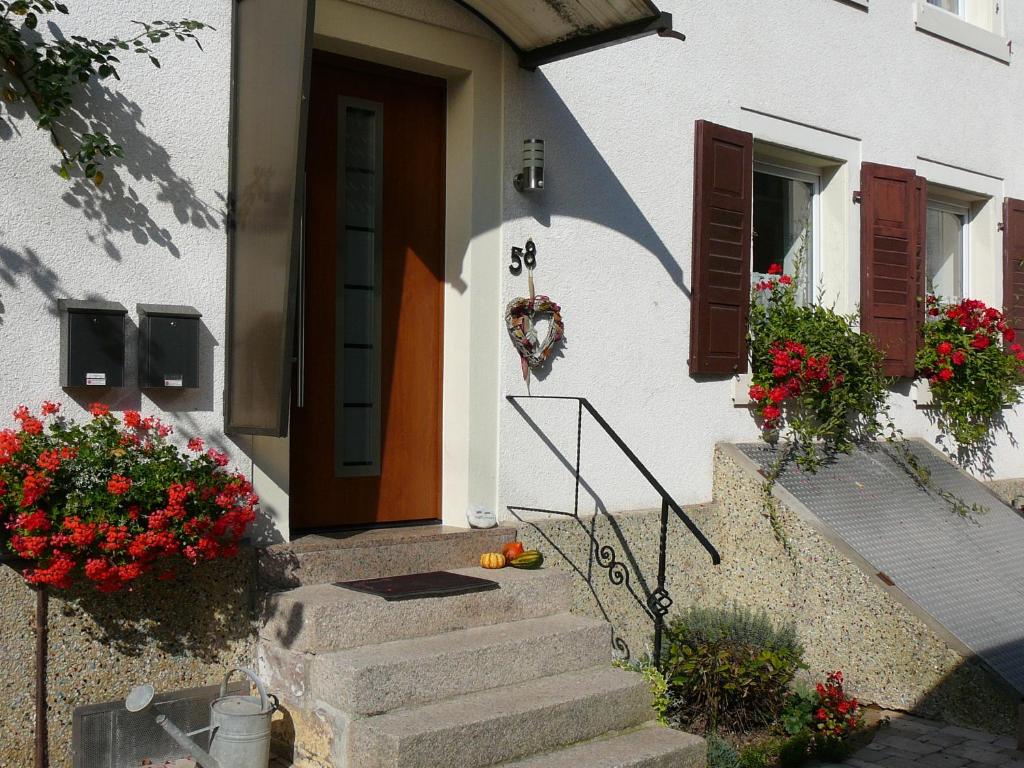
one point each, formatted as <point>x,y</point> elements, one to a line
<point>110,500</point>
<point>815,378</point>
<point>973,364</point>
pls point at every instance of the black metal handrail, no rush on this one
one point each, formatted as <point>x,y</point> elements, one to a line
<point>658,602</point>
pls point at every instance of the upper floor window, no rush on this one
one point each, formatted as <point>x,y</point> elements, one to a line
<point>785,224</point>
<point>947,249</point>
<point>953,6</point>
<point>975,24</point>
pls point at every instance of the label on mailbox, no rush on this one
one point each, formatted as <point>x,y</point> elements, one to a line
<point>173,381</point>
<point>95,379</point>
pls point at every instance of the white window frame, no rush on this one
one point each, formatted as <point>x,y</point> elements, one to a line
<point>961,8</point>
<point>966,28</point>
<point>959,209</point>
<point>811,176</point>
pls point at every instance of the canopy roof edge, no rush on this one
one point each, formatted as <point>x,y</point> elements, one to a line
<point>551,31</point>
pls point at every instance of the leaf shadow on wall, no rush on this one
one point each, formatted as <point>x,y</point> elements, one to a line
<point>16,266</point>
<point>580,183</point>
<point>116,205</point>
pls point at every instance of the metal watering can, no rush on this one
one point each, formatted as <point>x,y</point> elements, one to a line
<point>239,725</point>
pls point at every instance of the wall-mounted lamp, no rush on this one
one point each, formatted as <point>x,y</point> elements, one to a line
<point>532,177</point>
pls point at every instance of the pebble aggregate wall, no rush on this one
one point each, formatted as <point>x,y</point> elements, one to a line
<point>844,618</point>
<point>173,634</point>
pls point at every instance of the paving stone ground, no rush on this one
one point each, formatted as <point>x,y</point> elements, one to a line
<point>911,742</point>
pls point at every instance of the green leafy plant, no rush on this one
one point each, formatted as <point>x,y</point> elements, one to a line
<point>797,715</point>
<point>721,754</point>
<point>972,375</point>
<point>110,500</point>
<point>836,717</point>
<point>47,73</point>
<point>816,379</point>
<point>760,754</point>
<point>728,667</point>
<point>795,750</point>
<point>657,683</point>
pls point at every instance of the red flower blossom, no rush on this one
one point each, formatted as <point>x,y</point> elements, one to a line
<point>196,444</point>
<point>944,348</point>
<point>775,269</point>
<point>959,357</point>
<point>132,419</point>
<point>99,409</point>
<point>980,341</point>
<point>48,408</point>
<point>945,374</point>
<point>786,280</point>
<point>1009,334</point>
<point>756,393</point>
<point>119,485</point>
<point>219,457</point>
<point>778,394</point>
<point>33,488</point>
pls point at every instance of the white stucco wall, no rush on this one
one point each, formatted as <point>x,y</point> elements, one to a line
<point>153,233</point>
<point>613,227</point>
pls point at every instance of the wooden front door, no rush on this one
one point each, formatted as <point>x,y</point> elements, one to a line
<point>366,419</point>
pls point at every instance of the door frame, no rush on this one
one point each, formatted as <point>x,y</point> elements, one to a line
<point>473,67</point>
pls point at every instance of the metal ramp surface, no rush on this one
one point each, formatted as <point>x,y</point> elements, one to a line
<point>966,574</point>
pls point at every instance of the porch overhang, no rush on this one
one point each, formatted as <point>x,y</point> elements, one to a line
<point>542,31</point>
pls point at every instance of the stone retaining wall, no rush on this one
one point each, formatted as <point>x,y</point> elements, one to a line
<point>173,634</point>
<point>845,618</point>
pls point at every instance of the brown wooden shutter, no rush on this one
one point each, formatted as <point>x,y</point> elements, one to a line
<point>892,263</point>
<point>723,196</point>
<point>921,282</point>
<point>1013,262</point>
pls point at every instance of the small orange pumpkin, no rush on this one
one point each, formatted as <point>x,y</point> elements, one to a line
<point>512,550</point>
<point>492,560</point>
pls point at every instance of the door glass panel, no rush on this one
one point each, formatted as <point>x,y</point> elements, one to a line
<point>358,290</point>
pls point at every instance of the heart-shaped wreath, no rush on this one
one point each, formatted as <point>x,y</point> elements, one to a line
<point>520,316</point>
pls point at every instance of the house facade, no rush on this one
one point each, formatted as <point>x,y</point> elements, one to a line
<point>350,250</point>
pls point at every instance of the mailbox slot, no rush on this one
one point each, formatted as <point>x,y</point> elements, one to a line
<point>168,346</point>
<point>91,343</point>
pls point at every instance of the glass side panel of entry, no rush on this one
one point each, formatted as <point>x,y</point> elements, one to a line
<point>358,290</point>
<point>784,212</point>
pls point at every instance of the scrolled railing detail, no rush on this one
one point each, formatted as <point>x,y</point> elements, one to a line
<point>658,601</point>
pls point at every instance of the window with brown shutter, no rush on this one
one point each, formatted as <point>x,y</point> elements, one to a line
<point>892,269</point>
<point>1013,262</point>
<point>722,211</point>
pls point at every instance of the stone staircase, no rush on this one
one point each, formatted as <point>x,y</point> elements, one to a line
<point>506,677</point>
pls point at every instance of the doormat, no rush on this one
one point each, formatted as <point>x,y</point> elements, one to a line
<point>417,585</point>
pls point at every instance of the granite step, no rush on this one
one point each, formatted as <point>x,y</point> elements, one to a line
<point>650,746</point>
<point>375,553</point>
<point>503,723</point>
<point>380,678</point>
<point>319,618</point>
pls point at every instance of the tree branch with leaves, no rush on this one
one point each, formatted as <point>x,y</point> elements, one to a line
<point>46,73</point>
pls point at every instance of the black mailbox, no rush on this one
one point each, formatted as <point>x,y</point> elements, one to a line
<point>168,346</point>
<point>91,343</point>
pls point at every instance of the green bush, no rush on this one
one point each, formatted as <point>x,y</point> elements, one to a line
<point>797,715</point>
<point>722,754</point>
<point>761,754</point>
<point>795,750</point>
<point>729,667</point>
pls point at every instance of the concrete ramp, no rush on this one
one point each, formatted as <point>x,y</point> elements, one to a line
<point>964,576</point>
